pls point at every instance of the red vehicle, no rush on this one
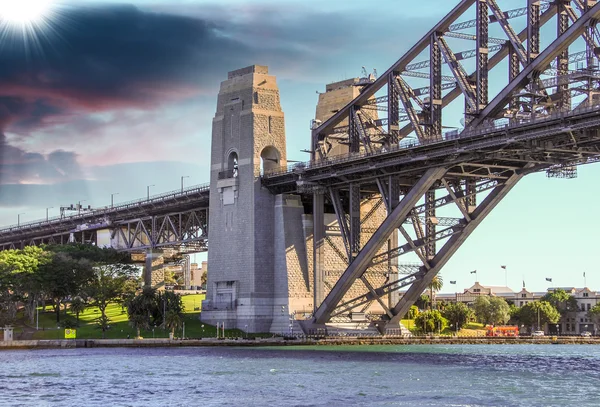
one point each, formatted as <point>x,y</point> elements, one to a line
<point>502,331</point>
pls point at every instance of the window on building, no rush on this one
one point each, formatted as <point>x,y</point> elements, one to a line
<point>476,290</point>
<point>585,294</point>
<point>588,306</point>
<point>520,303</point>
<point>567,327</point>
<point>523,295</point>
<point>580,319</point>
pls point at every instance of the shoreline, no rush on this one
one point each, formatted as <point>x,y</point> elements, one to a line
<point>241,342</point>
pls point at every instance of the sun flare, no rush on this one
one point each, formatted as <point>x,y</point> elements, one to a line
<point>24,12</point>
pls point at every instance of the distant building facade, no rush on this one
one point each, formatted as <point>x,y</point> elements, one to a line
<point>571,323</point>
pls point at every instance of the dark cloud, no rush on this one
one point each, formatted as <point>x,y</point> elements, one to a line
<point>18,166</point>
<point>104,58</point>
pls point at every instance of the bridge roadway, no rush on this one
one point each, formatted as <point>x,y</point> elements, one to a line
<point>493,152</point>
<point>167,219</point>
<point>181,218</point>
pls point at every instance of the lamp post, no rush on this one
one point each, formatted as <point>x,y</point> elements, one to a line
<point>52,207</point>
<point>112,201</point>
<point>19,218</point>
<point>182,177</point>
<point>148,191</point>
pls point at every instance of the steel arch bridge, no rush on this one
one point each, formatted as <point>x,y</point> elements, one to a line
<point>526,81</point>
<point>540,115</point>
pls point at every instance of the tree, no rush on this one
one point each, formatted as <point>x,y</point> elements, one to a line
<point>141,308</point>
<point>457,314</point>
<point>108,285</point>
<point>64,276</point>
<point>173,320</point>
<point>167,302</point>
<point>431,321</point>
<point>203,279</point>
<point>491,310</point>
<point>78,307</point>
<point>594,314</point>
<point>564,302</point>
<point>412,312</point>
<point>436,285</point>
<point>423,301</point>
<point>18,281</point>
<point>541,311</point>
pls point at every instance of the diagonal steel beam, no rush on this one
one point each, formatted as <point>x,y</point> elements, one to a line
<point>451,246</point>
<point>363,260</point>
<point>508,30</point>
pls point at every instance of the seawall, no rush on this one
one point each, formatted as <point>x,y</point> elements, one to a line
<point>141,343</point>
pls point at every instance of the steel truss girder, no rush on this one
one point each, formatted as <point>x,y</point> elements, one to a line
<point>539,64</point>
<point>151,232</point>
<point>363,260</point>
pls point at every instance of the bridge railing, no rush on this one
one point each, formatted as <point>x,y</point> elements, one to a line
<point>108,209</point>
<point>409,143</point>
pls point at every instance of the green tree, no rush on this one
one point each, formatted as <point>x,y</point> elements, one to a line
<point>594,314</point>
<point>412,312</point>
<point>435,286</point>
<point>491,310</point>
<point>423,301</point>
<point>173,320</point>
<point>561,300</point>
<point>538,313</point>
<point>431,321</point>
<point>141,308</point>
<point>64,276</point>
<point>108,285</point>
<point>19,283</point>
<point>167,302</point>
<point>457,314</point>
<point>78,307</point>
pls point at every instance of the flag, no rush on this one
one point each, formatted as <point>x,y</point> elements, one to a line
<point>504,267</point>
<point>474,271</point>
<point>548,279</point>
<point>584,274</point>
<point>452,282</point>
<point>523,283</point>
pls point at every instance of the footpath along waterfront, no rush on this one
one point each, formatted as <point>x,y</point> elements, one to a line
<point>375,375</point>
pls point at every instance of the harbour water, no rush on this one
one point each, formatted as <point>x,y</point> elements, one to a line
<point>414,375</point>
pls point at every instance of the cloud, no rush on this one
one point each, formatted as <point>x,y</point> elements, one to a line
<point>20,167</point>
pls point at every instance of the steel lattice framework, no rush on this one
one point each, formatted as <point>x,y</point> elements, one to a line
<point>177,219</point>
<point>544,117</point>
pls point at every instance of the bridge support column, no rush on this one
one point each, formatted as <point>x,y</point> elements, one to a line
<point>318,248</point>
<point>154,274</point>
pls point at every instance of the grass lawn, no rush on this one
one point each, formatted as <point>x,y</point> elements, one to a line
<point>120,328</point>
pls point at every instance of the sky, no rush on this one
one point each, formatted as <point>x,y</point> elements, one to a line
<point>115,96</point>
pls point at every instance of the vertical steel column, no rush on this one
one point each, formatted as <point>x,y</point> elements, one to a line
<point>471,200</point>
<point>318,248</point>
<point>562,60</point>
<point>435,89</point>
<point>354,211</point>
<point>393,110</point>
<point>482,54</point>
<point>513,71</point>
<point>430,222</point>
<point>533,30</point>
<point>393,200</point>
<point>353,133</point>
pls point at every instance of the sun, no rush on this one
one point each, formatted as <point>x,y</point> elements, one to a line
<point>24,12</point>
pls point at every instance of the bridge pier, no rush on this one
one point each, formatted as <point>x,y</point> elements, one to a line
<point>154,274</point>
